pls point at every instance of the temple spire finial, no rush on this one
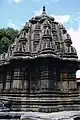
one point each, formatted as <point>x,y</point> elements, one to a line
<point>44,9</point>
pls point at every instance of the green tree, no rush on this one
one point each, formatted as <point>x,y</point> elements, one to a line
<point>2,33</point>
<point>11,34</point>
<point>4,44</point>
<point>7,37</point>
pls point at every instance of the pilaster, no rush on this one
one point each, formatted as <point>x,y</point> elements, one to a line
<point>8,80</point>
<point>17,79</point>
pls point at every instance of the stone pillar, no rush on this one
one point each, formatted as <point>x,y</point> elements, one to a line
<point>52,79</point>
<point>44,78</point>
<point>38,80</point>
<point>72,80</point>
<point>26,80</point>
<point>33,75</point>
<point>8,80</point>
<point>4,79</point>
<point>67,80</point>
<point>48,78</point>
<point>64,80</point>
<point>17,79</point>
<point>1,80</point>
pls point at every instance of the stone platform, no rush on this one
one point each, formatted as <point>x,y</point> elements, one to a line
<point>64,115</point>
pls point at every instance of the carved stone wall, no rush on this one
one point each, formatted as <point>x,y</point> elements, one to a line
<point>40,64</point>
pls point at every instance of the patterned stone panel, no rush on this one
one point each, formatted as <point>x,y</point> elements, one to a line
<point>33,80</point>
<point>65,76</point>
<point>1,80</point>
<point>52,80</point>
<point>8,80</point>
<point>48,78</point>
<point>17,79</point>
<point>68,79</point>
<point>44,80</point>
<point>64,85</point>
<point>4,80</point>
<point>59,86</point>
<point>72,85</point>
<point>26,80</point>
<point>72,80</point>
<point>64,80</point>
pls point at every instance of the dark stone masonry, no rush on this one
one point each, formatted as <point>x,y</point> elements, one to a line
<point>38,72</point>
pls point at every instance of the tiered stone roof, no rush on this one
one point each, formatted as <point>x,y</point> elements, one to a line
<point>42,36</point>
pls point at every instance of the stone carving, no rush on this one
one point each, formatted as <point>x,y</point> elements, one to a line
<point>39,72</point>
<point>47,31</point>
<point>5,106</point>
<point>68,47</point>
<point>23,34</point>
<point>37,26</point>
<point>46,23</point>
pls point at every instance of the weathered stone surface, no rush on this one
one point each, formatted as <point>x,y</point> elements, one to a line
<point>38,73</point>
<point>52,116</point>
<point>66,115</point>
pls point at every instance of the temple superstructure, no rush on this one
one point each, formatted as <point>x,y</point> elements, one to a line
<point>38,72</point>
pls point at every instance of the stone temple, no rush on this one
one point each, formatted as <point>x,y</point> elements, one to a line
<point>38,72</point>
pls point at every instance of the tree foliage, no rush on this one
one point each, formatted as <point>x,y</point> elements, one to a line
<point>7,37</point>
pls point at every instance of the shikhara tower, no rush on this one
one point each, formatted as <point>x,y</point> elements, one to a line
<point>38,73</point>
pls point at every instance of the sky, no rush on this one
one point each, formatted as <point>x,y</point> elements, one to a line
<point>15,13</point>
